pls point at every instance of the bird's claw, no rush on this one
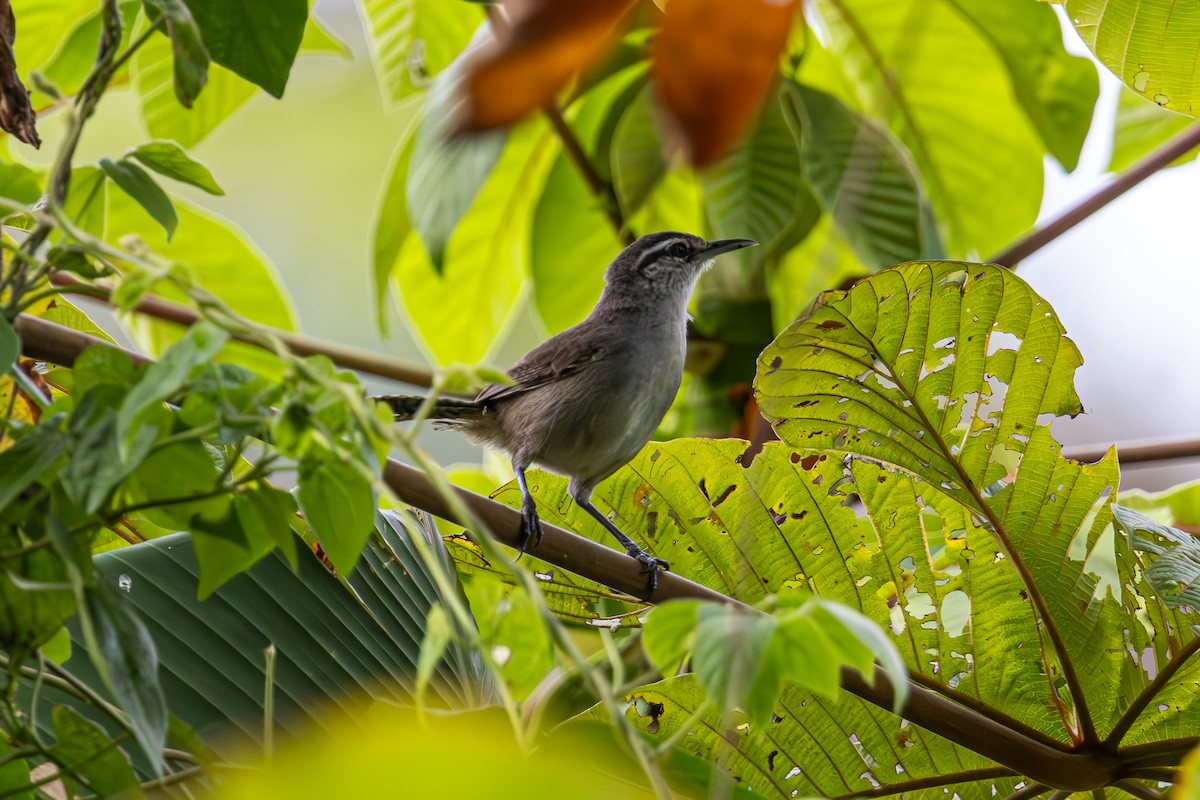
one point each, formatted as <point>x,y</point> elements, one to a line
<point>531,531</point>
<point>650,566</point>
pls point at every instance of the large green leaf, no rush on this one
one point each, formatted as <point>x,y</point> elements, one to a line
<point>392,225</point>
<point>865,180</point>
<point>258,41</point>
<point>1057,90</point>
<point>636,158</point>
<point>165,117</point>
<point>414,40</point>
<point>756,191</point>
<point>41,27</point>
<point>338,644</point>
<point>940,86</point>
<point>460,311</point>
<point>1151,45</point>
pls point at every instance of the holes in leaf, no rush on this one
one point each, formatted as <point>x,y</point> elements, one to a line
<point>1002,340</point>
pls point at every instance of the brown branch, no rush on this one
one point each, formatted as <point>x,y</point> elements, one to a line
<point>1137,452</point>
<point>1183,143</point>
<point>1029,791</point>
<point>1139,790</point>
<point>349,357</point>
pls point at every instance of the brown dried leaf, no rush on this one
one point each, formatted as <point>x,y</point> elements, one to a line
<point>16,114</point>
<point>544,45</point>
<point>714,62</point>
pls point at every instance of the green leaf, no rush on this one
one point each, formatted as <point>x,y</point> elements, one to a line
<point>41,29</point>
<point>86,203</point>
<point>1174,570</point>
<point>412,41</point>
<point>138,184</point>
<point>169,159</point>
<point>512,631</point>
<point>668,634</point>
<point>258,41</point>
<point>76,54</point>
<point>19,183</point>
<point>447,172</point>
<point>189,57</point>
<point>485,263</point>
<point>257,521</point>
<point>1151,45</point>
<point>728,656</point>
<point>124,654</point>
<point>569,224</point>
<point>950,101</point>
<point>320,40</point>
<point>1142,126</point>
<point>88,752</point>
<point>222,259</point>
<point>438,635</point>
<point>25,462</point>
<point>10,346</point>
<point>14,774</point>
<point>167,375</point>
<point>337,642</point>
<point>165,118</point>
<point>339,504</point>
<point>1057,90</point>
<point>391,223</point>
<point>756,191</point>
<point>864,179</point>
<point>637,160</point>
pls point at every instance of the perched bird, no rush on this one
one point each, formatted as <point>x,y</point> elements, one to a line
<point>584,402</point>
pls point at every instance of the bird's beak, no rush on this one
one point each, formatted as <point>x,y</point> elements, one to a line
<point>725,245</point>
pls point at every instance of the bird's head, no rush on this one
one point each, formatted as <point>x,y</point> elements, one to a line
<point>666,264</point>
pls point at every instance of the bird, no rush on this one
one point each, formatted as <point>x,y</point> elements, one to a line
<point>584,402</point>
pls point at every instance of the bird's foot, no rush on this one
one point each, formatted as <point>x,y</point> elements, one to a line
<point>650,566</point>
<point>531,530</point>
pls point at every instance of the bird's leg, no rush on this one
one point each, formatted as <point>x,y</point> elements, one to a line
<point>531,527</point>
<point>650,564</point>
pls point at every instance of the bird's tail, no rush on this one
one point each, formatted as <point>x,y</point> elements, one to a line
<point>405,406</point>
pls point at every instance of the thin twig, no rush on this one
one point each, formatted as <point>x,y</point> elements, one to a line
<point>1180,145</point>
<point>1029,791</point>
<point>601,190</point>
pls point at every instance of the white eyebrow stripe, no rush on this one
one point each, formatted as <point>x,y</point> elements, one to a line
<point>654,251</point>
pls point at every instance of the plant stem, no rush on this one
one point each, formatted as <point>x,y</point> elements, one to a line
<point>932,782</point>
<point>1183,143</point>
<point>600,190</point>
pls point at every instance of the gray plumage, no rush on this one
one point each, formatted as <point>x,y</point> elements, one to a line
<point>584,402</point>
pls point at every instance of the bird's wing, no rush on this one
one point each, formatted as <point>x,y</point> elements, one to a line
<point>550,361</point>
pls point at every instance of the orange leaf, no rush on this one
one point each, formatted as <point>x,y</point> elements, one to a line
<point>547,42</point>
<point>714,61</point>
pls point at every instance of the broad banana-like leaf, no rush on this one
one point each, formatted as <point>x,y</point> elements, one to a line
<point>339,644</point>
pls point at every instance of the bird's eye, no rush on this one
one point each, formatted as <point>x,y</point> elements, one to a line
<point>678,250</point>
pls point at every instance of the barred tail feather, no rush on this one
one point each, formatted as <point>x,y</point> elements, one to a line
<point>405,406</point>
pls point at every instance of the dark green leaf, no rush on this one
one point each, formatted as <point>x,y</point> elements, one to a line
<point>101,459</point>
<point>92,755</point>
<point>446,172</point>
<point>169,159</point>
<point>66,259</point>
<point>258,520</point>
<point>124,655</point>
<point>10,346</point>
<point>258,41</point>
<point>339,504</point>
<point>14,774</point>
<point>138,184</point>
<point>174,473</point>
<point>864,179</point>
<point>24,463</point>
<point>99,366</point>
<point>638,161</point>
<point>166,376</point>
<point>190,56</point>
<point>756,191</point>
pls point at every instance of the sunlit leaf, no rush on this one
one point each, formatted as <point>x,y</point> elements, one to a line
<point>950,101</point>
<point>169,159</point>
<point>19,183</point>
<point>546,44</point>
<point>392,224</point>
<point>138,184</point>
<point>1056,89</point>
<point>637,159</point>
<point>1151,45</point>
<point>714,62</point>
<point>1174,557</point>
<point>1141,126</point>
<point>412,41</point>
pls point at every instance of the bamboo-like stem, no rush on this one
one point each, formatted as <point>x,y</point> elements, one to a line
<point>1183,143</point>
